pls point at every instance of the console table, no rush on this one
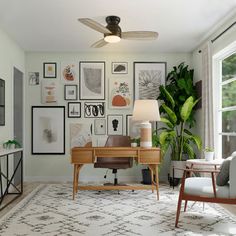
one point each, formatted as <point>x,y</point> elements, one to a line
<point>82,155</point>
<point>10,179</point>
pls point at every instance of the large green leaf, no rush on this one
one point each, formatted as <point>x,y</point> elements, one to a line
<point>167,95</point>
<point>167,122</point>
<point>189,150</point>
<point>197,140</point>
<point>170,113</point>
<point>187,108</point>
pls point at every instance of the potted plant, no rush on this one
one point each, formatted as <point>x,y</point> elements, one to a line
<point>135,142</point>
<point>209,154</point>
<point>175,136</point>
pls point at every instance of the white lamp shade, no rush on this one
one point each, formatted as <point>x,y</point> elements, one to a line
<point>146,110</point>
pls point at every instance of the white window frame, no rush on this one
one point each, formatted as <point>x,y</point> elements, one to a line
<point>217,95</point>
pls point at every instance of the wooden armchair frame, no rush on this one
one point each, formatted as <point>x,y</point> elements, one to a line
<point>189,197</point>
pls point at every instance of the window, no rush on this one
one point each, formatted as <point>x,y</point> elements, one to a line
<point>227,104</point>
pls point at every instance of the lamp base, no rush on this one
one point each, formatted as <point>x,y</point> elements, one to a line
<point>146,135</point>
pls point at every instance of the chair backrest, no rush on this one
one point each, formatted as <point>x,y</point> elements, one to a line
<point>115,162</point>
<point>232,178</point>
<point>118,141</point>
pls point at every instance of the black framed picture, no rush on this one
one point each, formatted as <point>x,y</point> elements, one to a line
<point>92,80</point>
<point>119,68</point>
<point>48,130</point>
<point>74,110</point>
<point>50,70</point>
<point>115,124</point>
<point>94,109</point>
<point>148,76</point>
<point>70,92</point>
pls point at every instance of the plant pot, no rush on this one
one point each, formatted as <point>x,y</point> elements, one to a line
<point>147,179</point>
<point>173,181</point>
<point>177,164</point>
<point>209,156</point>
<point>134,145</point>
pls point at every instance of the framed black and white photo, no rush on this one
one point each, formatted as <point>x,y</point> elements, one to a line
<point>74,109</point>
<point>119,67</point>
<point>115,124</point>
<point>70,92</point>
<point>48,130</point>
<point>92,80</point>
<point>148,76</point>
<point>94,109</point>
<point>50,70</point>
<point>100,126</point>
<point>33,78</point>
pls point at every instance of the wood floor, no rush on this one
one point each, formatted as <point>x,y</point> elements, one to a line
<point>30,186</point>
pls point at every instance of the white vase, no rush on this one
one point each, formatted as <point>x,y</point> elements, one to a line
<point>209,156</point>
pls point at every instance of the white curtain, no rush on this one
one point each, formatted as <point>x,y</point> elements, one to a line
<point>207,97</point>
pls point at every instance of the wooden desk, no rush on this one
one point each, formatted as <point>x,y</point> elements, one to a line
<point>149,156</point>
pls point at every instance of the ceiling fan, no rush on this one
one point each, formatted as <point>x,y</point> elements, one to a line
<point>113,33</point>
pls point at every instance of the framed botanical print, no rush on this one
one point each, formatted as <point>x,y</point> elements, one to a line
<point>50,70</point>
<point>120,94</point>
<point>74,110</point>
<point>94,109</point>
<point>148,76</point>
<point>115,124</point>
<point>119,68</point>
<point>48,130</point>
<point>100,126</point>
<point>92,80</point>
<point>70,92</point>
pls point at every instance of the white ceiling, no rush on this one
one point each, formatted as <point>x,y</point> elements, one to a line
<point>51,25</point>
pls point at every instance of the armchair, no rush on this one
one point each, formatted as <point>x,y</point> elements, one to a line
<point>204,189</point>
<point>115,163</point>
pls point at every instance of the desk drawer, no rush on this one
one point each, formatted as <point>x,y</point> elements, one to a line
<point>82,156</point>
<point>150,157</point>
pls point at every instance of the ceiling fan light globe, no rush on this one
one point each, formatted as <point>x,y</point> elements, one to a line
<point>112,38</point>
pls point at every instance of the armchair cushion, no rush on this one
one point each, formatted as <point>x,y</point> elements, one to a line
<point>223,177</point>
<point>202,186</point>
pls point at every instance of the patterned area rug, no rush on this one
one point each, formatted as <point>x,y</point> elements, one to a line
<point>50,210</point>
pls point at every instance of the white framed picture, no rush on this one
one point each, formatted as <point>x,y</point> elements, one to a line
<point>132,127</point>
<point>92,80</point>
<point>148,76</point>
<point>119,67</point>
<point>69,72</point>
<point>115,124</point>
<point>120,93</point>
<point>100,126</point>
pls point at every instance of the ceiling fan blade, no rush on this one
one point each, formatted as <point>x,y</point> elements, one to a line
<point>99,44</point>
<point>94,25</point>
<point>139,35</point>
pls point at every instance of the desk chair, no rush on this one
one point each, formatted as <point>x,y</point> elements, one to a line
<point>115,163</point>
<point>205,189</point>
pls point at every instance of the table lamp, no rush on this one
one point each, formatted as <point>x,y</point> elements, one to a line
<point>145,111</point>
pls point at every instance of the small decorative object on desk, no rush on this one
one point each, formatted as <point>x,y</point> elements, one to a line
<point>209,154</point>
<point>135,142</point>
<point>11,144</point>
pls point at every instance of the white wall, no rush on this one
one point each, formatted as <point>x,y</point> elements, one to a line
<point>53,167</point>
<point>11,55</point>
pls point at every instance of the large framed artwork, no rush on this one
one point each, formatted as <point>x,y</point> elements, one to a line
<point>48,130</point>
<point>50,70</point>
<point>120,94</point>
<point>115,124</point>
<point>92,80</point>
<point>148,76</point>
<point>69,72</point>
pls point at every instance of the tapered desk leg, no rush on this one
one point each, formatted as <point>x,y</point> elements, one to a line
<point>157,181</point>
<point>74,181</point>
<point>77,176</point>
<point>152,179</point>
